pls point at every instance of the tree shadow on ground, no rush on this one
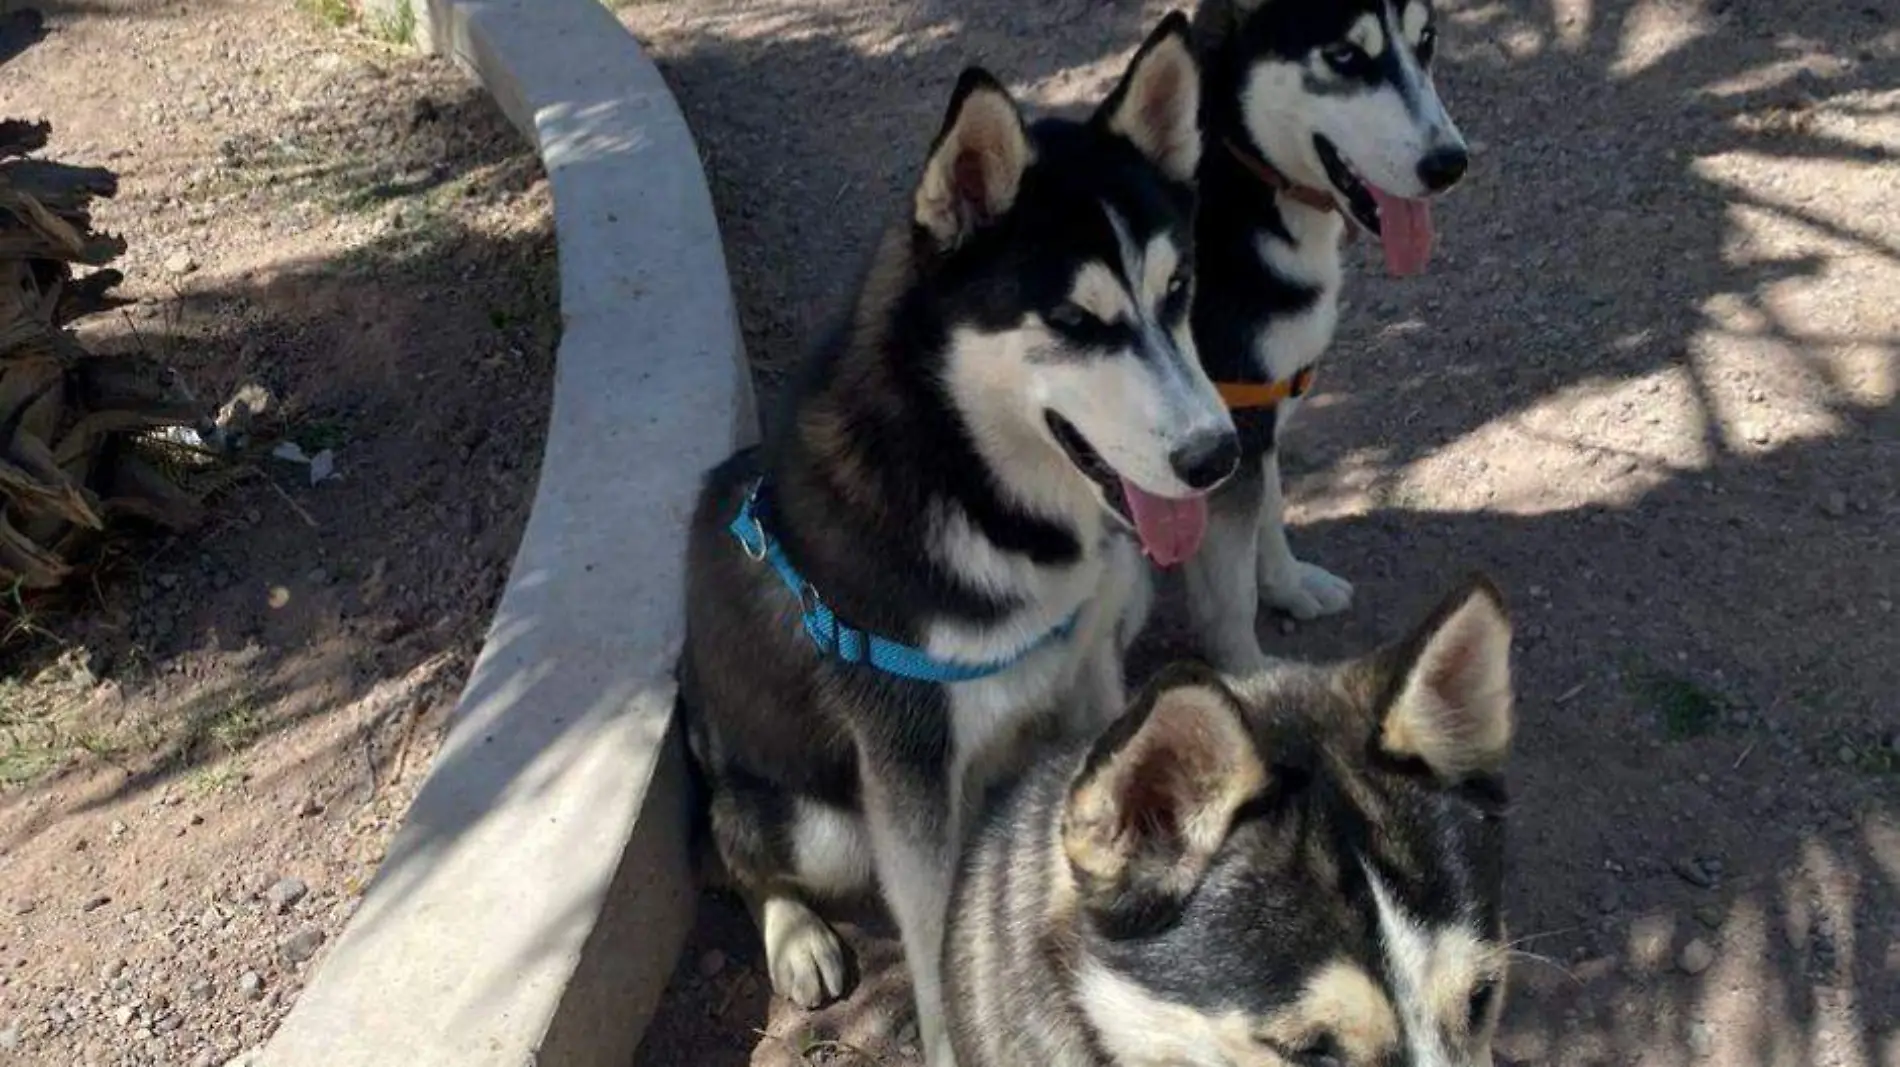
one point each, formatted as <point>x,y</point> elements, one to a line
<point>298,601</point>
<point>1675,219</point>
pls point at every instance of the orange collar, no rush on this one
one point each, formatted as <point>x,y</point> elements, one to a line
<point>1244,396</point>
<point>1317,199</point>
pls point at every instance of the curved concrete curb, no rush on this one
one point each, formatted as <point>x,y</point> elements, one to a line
<point>532,907</point>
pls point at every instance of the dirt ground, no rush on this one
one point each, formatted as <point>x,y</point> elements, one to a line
<point>1649,385</point>
<point>204,753</point>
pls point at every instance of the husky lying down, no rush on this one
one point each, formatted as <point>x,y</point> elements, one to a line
<point>1299,867</point>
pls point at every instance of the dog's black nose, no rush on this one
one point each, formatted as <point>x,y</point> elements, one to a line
<point>1442,167</point>
<point>1206,461</point>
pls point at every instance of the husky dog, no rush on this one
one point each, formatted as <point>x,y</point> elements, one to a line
<point>937,535</point>
<point>1302,867</point>
<point>1318,115</point>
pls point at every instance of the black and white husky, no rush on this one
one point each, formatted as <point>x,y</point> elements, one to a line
<point>1319,115</point>
<point>1301,867</point>
<point>935,542</point>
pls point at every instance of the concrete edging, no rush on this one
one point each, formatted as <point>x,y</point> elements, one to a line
<point>532,906</point>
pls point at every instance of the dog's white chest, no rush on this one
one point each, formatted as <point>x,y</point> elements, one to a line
<point>1287,342</point>
<point>1097,592</point>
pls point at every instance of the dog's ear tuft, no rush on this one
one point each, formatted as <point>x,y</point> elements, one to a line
<point>976,163</point>
<point>1447,699</point>
<point>1154,801</point>
<point>1157,105</point>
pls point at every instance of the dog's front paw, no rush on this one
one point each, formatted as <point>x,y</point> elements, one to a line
<point>1306,591</point>
<point>805,957</point>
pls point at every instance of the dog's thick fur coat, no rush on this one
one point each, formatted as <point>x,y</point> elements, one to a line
<point>948,474</point>
<point>1302,867</point>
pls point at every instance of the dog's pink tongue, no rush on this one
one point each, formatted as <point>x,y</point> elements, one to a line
<point>1170,529</point>
<point>1405,228</point>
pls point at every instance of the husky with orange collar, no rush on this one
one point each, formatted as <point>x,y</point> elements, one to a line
<point>1320,119</point>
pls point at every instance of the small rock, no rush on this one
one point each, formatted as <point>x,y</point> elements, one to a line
<point>251,986</point>
<point>206,1058</point>
<point>95,902</point>
<point>1692,872</point>
<point>1709,915</point>
<point>302,945</point>
<point>202,989</point>
<point>119,829</point>
<point>124,1014</point>
<point>1695,957</point>
<point>112,970</point>
<point>1834,504</point>
<point>308,807</point>
<point>180,263</point>
<point>1701,1038</point>
<point>167,1024</point>
<point>10,1038</point>
<point>283,893</point>
<point>712,963</point>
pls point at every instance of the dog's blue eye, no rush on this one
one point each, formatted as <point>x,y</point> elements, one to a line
<point>1342,56</point>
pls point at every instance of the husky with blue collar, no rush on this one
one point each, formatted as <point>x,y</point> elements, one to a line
<point>934,544</point>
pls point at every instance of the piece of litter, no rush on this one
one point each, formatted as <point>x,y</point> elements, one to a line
<point>184,436</point>
<point>322,465</point>
<point>290,452</point>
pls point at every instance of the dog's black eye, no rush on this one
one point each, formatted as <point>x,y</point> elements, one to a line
<point>1344,58</point>
<point>1178,283</point>
<point>1322,1051</point>
<point>1427,45</point>
<point>1068,316</point>
<point>1480,1003</point>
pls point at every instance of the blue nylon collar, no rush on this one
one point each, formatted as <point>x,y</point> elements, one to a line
<point>838,640</point>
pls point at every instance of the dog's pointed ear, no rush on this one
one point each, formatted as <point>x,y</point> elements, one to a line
<point>1447,694</point>
<point>976,163</point>
<point>1158,103</point>
<point>1155,799</point>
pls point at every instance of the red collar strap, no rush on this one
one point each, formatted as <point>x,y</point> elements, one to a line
<point>1317,199</point>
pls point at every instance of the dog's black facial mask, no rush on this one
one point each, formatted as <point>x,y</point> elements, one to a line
<point>1340,98</point>
<point>1054,265</point>
<point>1006,213</point>
<point>1310,861</point>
